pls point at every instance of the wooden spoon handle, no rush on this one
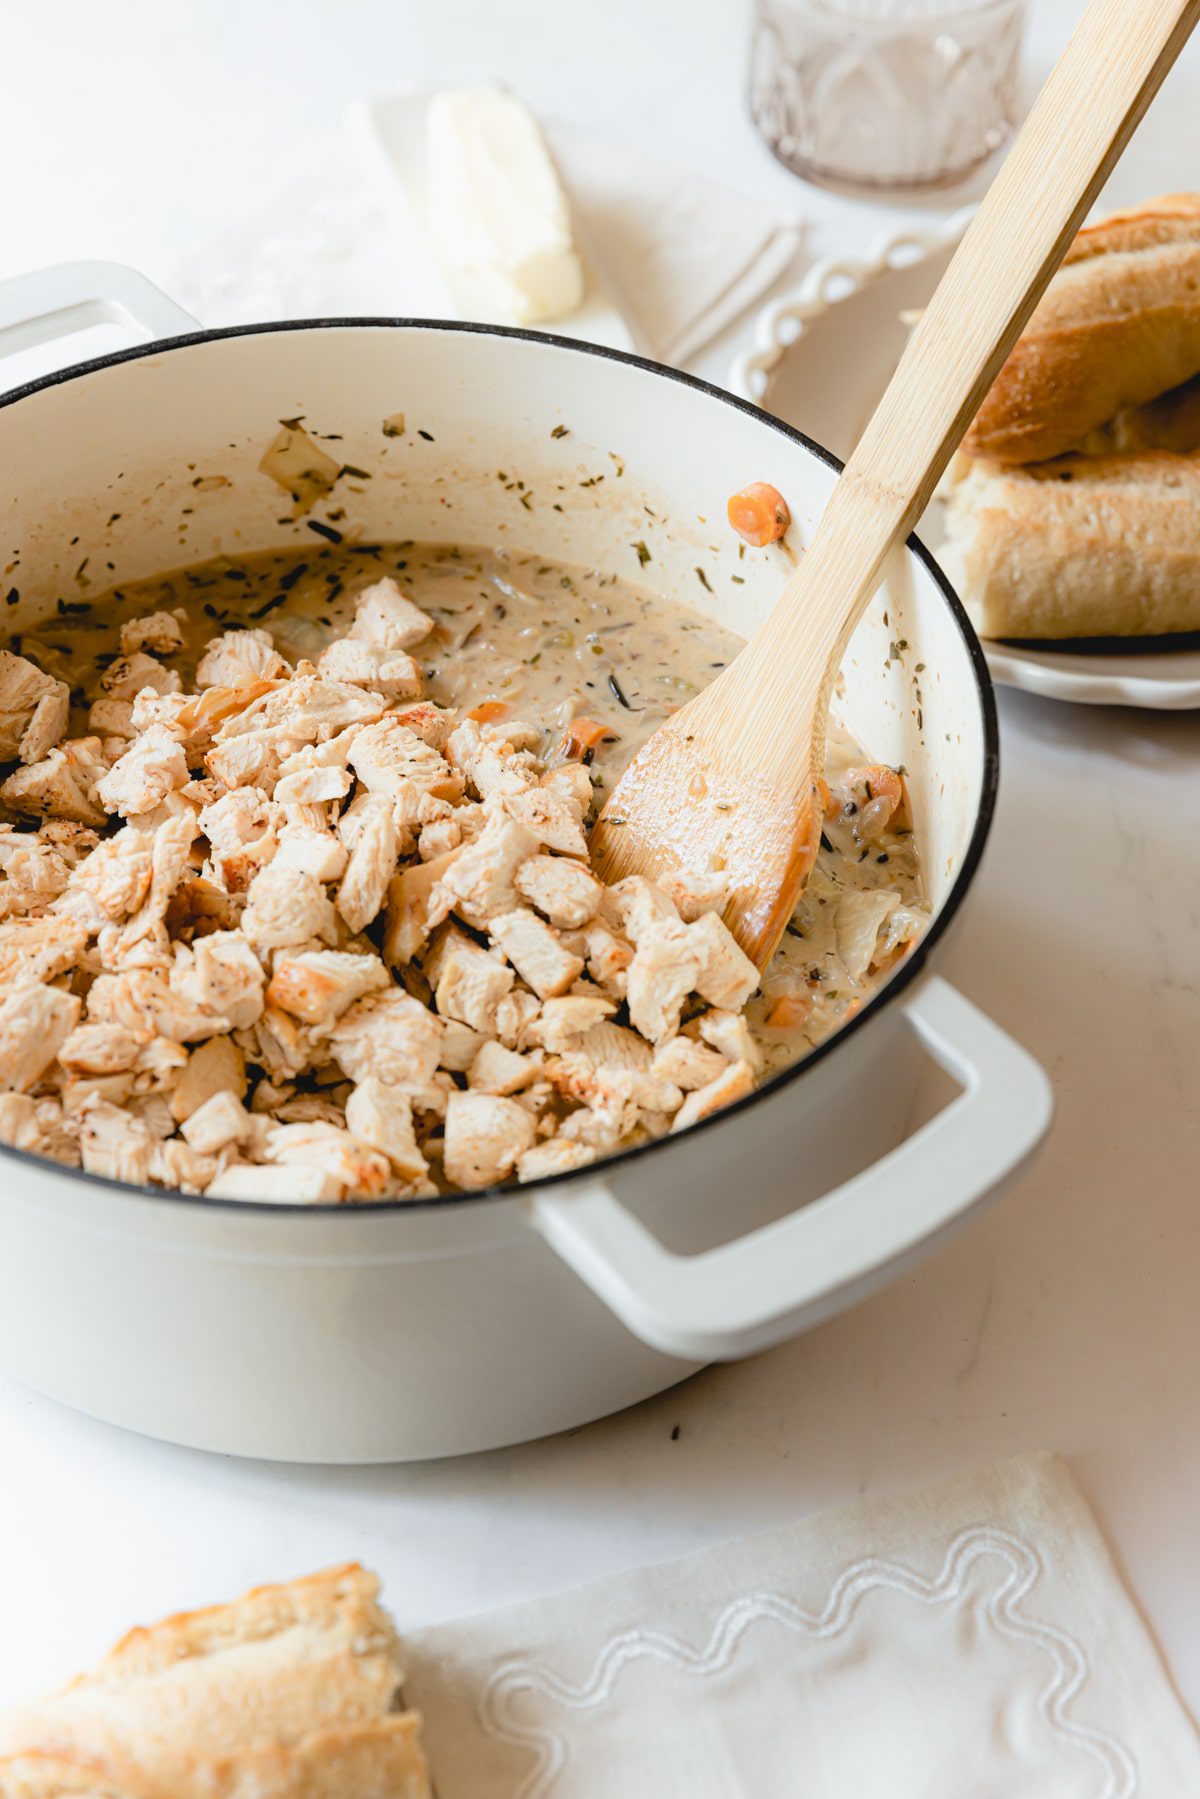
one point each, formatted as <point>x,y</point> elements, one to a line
<point>1081,122</point>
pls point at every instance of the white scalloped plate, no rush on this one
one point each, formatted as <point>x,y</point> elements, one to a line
<point>822,357</point>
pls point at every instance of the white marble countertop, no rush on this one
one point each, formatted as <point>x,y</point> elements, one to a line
<point>1066,1319</point>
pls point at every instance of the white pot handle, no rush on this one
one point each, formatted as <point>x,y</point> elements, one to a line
<point>57,302</point>
<point>747,1295</point>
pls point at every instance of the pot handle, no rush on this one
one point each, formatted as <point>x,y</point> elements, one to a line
<point>749,1294</point>
<point>71,296</point>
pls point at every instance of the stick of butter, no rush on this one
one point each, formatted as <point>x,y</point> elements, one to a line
<point>497,211</point>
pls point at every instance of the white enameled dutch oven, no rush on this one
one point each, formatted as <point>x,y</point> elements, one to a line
<point>398,1331</point>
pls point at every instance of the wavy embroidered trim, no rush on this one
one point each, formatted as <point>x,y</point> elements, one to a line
<point>1069,1667</point>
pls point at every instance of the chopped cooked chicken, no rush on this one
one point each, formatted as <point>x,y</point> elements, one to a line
<point>479,882</point>
<point>153,766</point>
<point>316,986</point>
<point>285,908</point>
<point>389,1035</point>
<point>388,753</point>
<point>484,1136</point>
<point>128,676</point>
<point>115,1143</point>
<point>62,785</point>
<point>360,1171</point>
<point>389,672</point>
<point>159,632</point>
<point>299,934</point>
<point>33,709</point>
<point>35,1022</point>
<point>499,1070</point>
<point>382,1116</point>
<point>39,948</point>
<point>238,657</point>
<point>468,983</point>
<point>372,865</point>
<point>218,1066</point>
<point>286,1185</point>
<point>385,618</point>
<point>736,1081</point>
<point>564,891</point>
<point>534,950</point>
<point>220,1121</point>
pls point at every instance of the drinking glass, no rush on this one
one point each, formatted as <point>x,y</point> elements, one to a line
<point>885,93</point>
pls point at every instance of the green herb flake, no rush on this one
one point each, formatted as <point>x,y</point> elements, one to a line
<point>643,554</point>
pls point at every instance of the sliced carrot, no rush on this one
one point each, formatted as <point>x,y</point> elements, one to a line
<point>789,1012</point>
<point>759,513</point>
<point>885,785</point>
<point>581,737</point>
<point>824,797</point>
<point>490,712</point>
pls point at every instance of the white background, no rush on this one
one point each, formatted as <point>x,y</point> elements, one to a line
<point>1067,1319</point>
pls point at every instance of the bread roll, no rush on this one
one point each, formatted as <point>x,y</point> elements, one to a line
<point>1172,422</point>
<point>289,1693</point>
<point>1118,326</point>
<point>1103,546</point>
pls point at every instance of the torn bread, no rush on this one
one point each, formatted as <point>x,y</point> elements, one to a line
<point>291,1692</point>
<point>1118,326</point>
<point>1105,546</point>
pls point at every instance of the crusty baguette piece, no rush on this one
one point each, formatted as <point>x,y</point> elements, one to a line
<point>1172,422</point>
<point>1105,546</point>
<point>1118,326</point>
<point>288,1693</point>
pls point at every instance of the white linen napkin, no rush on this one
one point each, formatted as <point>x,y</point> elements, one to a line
<point>682,257</point>
<point>970,1641</point>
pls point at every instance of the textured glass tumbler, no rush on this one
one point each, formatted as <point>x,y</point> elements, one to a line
<point>885,93</point>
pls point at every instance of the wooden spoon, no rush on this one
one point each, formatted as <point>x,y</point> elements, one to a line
<point>729,781</point>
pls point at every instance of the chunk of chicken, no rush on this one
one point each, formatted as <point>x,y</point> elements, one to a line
<point>391,1036</point>
<point>128,676</point>
<point>382,1117</point>
<point>384,617</point>
<point>115,1143</point>
<point>152,767</point>
<point>110,884</point>
<point>285,908</point>
<point>499,1070</point>
<point>311,851</point>
<point>62,785</point>
<point>390,672</point>
<point>287,1185</point>
<point>217,1066</point>
<point>372,866</point>
<point>159,632</point>
<point>303,710</point>
<point>416,904</point>
<point>479,883</point>
<point>468,983</point>
<point>558,1156</point>
<point>360,1171</point>
<point>222,1120</point>
<point>40,948</point>
<point>387,753</point>
<point>727,977</point>
<point>689,1064</point>
<point>562,889</point>
<point>563,1022</point>
<point>33,709</point>
<point>222,976</point>
<point>236,658</point>
<point>552,817</point>
<point>432,724</point>
<point>485,1135</point>
<point>536,953</point>
<point>662,974</point>
<point>35,1022</point>
<point>317,986</point>
<point>734,1083</point>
